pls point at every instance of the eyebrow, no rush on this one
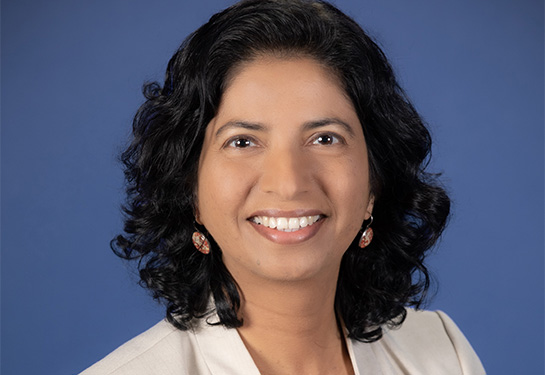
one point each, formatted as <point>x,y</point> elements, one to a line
<point>240,124</point>
<point>309,125</point>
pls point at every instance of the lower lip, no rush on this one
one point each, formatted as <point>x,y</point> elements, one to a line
<point>288,238</point>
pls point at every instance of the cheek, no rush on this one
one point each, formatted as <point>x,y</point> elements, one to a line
<point>222,188</point>
<point>353,200</point>
<point>352,192</point>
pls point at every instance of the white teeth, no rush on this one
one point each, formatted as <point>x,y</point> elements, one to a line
<point>286,224</point>
<point>293,223</point>
<point>281,223</point>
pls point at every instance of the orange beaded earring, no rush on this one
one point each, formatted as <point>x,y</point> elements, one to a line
<point>200,242</point>
<point>367,235</point>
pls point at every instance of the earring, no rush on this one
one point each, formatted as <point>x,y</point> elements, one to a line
<point>367,235</point>
<point>200,242</point>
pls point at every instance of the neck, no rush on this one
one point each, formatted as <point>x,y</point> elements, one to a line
<point>291,327</point>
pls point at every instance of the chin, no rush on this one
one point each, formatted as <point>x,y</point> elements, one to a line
<point>298,268</point>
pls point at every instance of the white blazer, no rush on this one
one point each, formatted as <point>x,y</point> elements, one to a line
<point>428,343</point>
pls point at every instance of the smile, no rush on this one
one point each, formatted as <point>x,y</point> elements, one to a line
<point>286,224</point>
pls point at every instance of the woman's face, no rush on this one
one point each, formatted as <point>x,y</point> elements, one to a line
<point>283,182</point>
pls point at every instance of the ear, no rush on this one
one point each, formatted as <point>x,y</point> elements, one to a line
<point>370,205</point>
<point>197,215</point>
<point>196,212</point>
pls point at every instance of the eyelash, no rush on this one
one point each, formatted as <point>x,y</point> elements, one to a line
<point>232,142</point>
<point>334,139</point>
<point>237,142</point>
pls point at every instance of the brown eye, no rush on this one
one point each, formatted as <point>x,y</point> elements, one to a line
<point>240,142</point>
<point>325,139</point>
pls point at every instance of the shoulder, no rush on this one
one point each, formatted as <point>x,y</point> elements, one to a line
<point>162,349</point>
<point>428,342</point>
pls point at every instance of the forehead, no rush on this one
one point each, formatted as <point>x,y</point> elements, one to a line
<point>269,81</point>
<point>272,57</point>
<point>268,61</point>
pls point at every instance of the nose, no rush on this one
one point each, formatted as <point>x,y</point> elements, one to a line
<point>286,172</point>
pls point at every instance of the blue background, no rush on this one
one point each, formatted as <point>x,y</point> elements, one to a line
<point>71,78</point>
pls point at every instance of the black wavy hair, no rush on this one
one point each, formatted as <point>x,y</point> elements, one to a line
<point>411,208</point>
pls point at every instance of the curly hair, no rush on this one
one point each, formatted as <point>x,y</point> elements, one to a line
<point>411,208</point>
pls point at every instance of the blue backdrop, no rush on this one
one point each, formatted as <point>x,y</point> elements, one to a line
<point>71,78</point>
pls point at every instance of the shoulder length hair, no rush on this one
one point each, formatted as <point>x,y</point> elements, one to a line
<point>161,163</point>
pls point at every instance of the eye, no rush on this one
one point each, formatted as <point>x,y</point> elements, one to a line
<point>326,139</point>
<point>240,142</point>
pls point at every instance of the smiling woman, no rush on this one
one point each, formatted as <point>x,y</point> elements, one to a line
<point>258,173</point>
<point>292,166</point>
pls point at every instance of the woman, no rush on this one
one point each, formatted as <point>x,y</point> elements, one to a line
<point>279,206</point>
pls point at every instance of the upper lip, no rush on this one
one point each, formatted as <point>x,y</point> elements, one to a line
<point>285,213</point>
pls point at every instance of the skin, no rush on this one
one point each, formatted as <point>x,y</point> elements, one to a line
<point>286,142</point>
